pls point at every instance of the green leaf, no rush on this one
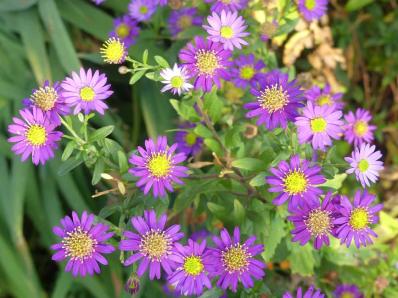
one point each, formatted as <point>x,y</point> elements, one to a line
<point>189,193</point>
<point>161,61</point>
<point>258,180</point>
<point>353,5</point>
<point>213,105</point>
<point>216,209</point>
<point>109,210</point>
<point>10,5</point>
<point>302,259</point>
<point>69,148</point>
<point>238,214</point>
<point>213,145</point>
<point>202,131</point>
<point>248,163</point>
<point>136,76</point>
<point>213,293</point>
<point>145,56</point>
<point>184,110</point>
<point>101,133</point>
<point>59,36</point>
<point>98,170</point>
<point>122,159</point>
<point>68,166</point>
<point>336,182</point>
<point>276,233</point>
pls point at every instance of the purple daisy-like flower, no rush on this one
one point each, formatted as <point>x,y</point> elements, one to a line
<point>34,135</point>
<point>295,181</point>
<point>206,61</point>
<point>321,97</point>
<point>246,71</point>
<point>234,262</point>
<point>182,19</point>
<point>200,235</point>
<point>353,220</point>
<point>347,291</point>
<point>48,98</point>
<point>312,9</point>
<point>231,5</point>
<point>86,92</point>
<point>319,125</point>
<point>153,244</point>
<point>310,293</point>
<point>190,276</point>
<point>357,129</point>
<point>157,167</point>
<point>227,28</point>
<point>142,10</point>
<point>188,142</point>
<point>277,100</point>
<point>365,164</point>
<point>98,2</point>
<point>313,220</point>
<point>83,243</point>
<point>126,29</point>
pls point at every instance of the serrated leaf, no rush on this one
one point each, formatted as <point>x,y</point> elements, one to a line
<point>276,232</point>
<point>302,259</point>
<point>101,133</point>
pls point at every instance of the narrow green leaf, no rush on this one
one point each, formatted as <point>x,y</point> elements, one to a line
<point>238,214</point>
<point>69,148</point>
<point>202,131</point>
<point>101,133</point>
<point>11,5</point>
<point>68,166</point>
<point>162,62</point>
<point>353,5</point>
<point>135,77</point>
<point>98,170</point>
<point>248,163</point>
<point>258,180</point>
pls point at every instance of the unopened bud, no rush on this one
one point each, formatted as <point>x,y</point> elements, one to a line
<point>132,285</point>
<point>251,131</point>
<point>123,70</point>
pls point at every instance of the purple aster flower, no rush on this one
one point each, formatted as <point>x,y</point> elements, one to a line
<point>98,2</point>
<point>126,29</point>
<point>83,243</point>
<point>190,276</point>
<point>295,181</point>
<point>142,10</point>
<point>86,92</point>
<point>277,100</point>
<point>227,28</point>
<point>48,98</point>
<point>234,262</point>
<point>157,167</point>
<point>312,9</point>
<point>358,130</point>
<point>34,135</point>
<point>313,220</point>
<point>321,97</point>
<point>365,163</point>
<point>153,244</point>
<point>246,71</point>
<point>182,19</point>
<point>200,235</point>
<point>207,61</point>
<point>319,124</point>
<point>353,220</point>
<point>162,2</point>
<point>188,142</point>
<point>347,291</point>
<point>231,5</point>
<point>311,293</point>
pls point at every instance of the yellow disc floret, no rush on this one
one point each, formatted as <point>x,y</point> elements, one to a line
<point>361,128</point>
<point>190,138</point>
<point>310,4</point>
<point>363,165</point>
<point>159,165</point>
<point>113,51</point>
<point>318,222</point>
<point>318,125</point>
<point>359,218</point>
<point>247,72</point>
<point>235,258</point>
<point>184,22</point>
<point>177,82</point>
<point>324,100</point>
<point>295,182</point>
<point>123,30</point>
<point>206,62</point>
<point>36,135</point>
<point>227,32</point>
<point>273,98</point>
<point>45,98</point>
<point>87,93</point>
<point>155,245</point>
<point>79,244</point>
<point>193,265</point>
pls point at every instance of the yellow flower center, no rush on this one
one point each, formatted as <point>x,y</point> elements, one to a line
<point>363,165</point>
<point>177,82</point>
<point>295,182</point>
<point>227,32</point>
<point>113,51</point>
<point>193,265</point>
<point>159,165</point>
<point>273,99</point>
<point>359,218</point>
<point>36,135</point>
<point>347,295</point>
<point>324,100</point>
<point>184,22</point>
<point>310,4</point>
<point>155,245</point>
<point>190,138</point>
<point>143,9</point>
<point>360,128</point>
<point>45,98</point>
<point>318,222</point>
<point>318,125</point>
<point>206,62</point>
<point>236,258</point>
<point>123,30</point>
<point>87,93</point>
<point>247,72</point>
<point>79,244</point>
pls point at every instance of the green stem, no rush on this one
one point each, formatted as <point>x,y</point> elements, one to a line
<point>71,130</point>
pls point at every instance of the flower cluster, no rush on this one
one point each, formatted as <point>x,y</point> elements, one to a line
<point>190,268</point>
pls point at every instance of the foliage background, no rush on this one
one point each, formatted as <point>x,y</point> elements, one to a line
<point>47,39</point>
